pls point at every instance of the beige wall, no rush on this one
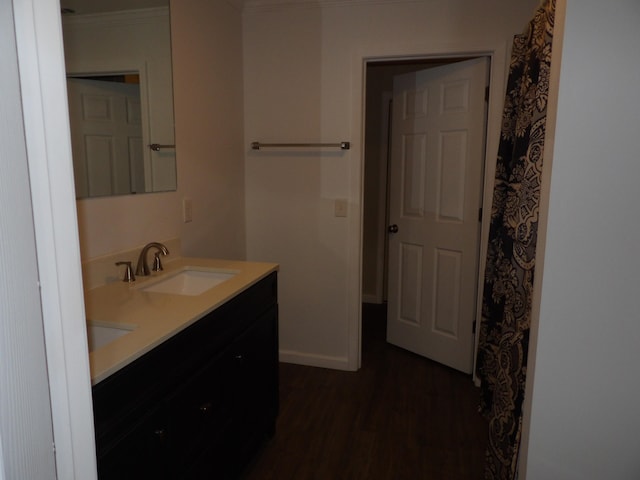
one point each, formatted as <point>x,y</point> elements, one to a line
<point>304,82</point>
<point>207,63</point>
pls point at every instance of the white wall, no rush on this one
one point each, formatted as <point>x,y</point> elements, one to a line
<point>304,82</point>
<point>584,420</point>
<point>207,64</point>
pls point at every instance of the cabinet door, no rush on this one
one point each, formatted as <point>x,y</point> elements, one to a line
<point>200,413</point>
<point>255,384</point>
<point>140,453</point>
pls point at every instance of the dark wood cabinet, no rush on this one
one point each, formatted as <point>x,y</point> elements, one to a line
<point>200,404</point>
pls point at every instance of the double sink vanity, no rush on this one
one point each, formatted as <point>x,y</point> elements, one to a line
<point>184,369</point>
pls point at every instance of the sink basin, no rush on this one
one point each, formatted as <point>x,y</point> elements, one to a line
<point>188,281</point>
<point>100,334</point>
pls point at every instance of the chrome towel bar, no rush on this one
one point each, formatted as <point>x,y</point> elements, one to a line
<point>341,145</point>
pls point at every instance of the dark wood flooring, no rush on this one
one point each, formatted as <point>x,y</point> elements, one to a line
<point>400,417</point>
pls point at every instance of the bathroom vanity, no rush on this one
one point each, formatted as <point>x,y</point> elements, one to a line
<point>192,390</point>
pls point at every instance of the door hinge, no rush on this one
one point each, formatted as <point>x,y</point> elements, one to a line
<point>486,94</point>
<point>473,327</point>
<point>480,214</point>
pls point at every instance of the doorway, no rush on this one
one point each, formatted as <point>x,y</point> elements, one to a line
<point>377,195</point>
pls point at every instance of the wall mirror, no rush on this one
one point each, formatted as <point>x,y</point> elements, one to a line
<point>120,89</point>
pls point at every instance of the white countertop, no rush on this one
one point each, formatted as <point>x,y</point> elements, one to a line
<point>158,316</point>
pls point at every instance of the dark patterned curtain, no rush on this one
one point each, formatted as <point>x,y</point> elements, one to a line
<point>508,280</point>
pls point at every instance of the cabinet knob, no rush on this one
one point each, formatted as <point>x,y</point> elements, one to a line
<point>160,433</point>
<point>205,408</point>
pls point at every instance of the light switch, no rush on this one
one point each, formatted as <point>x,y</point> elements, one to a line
<point>187,210</point>
<point>340,207</point>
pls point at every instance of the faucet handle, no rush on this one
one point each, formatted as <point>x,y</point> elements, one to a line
<point>157,264</point>
<point>128,273</point>
<point>142,268</point>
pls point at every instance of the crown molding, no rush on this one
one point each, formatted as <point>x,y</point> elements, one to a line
<point>250,5</point>
<point>125,17</point>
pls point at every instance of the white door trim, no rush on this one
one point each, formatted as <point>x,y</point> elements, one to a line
<point>44,101</point>
<point>498,54</point>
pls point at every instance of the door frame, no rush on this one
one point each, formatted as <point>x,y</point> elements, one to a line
<point>498,69</point>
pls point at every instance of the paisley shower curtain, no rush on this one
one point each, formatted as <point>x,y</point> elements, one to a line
<point>508,279</point>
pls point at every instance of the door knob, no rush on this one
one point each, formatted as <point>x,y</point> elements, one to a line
<point>393,228</point>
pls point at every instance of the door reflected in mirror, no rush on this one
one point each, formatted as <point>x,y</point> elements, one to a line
<point>120,101</point>
<point>106,135</point>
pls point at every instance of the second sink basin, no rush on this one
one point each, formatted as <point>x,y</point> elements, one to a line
<point>188,281</point>
<point>99,333</point>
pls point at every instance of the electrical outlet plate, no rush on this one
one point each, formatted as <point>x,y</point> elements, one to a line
<point>340,207</point>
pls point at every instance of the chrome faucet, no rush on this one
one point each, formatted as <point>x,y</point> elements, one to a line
<point>142,268</point>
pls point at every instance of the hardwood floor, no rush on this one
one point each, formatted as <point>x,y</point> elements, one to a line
<point>400,417</point>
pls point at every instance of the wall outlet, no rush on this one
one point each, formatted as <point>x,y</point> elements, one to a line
<point>340,207</point>
<point>187,210</point>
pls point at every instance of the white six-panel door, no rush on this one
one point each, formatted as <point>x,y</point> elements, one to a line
<point>438,138</point>
<point>106,136</point>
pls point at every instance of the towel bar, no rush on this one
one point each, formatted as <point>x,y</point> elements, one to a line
<point>341,145</point>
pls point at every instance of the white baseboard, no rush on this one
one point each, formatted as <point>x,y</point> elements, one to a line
<point>312,360</point>
<point>370,298</point>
